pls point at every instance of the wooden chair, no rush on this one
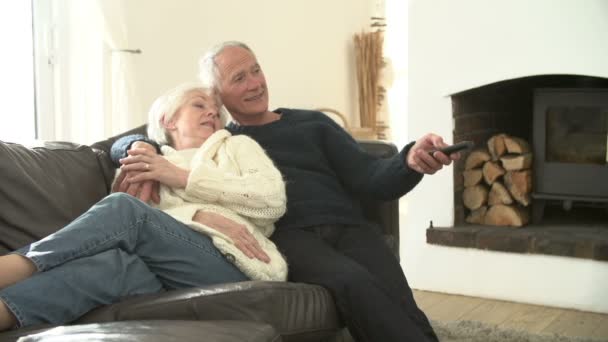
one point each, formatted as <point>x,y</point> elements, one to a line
<point>359,133</point>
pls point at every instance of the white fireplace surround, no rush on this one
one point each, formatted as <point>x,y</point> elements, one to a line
<point>459,45</point>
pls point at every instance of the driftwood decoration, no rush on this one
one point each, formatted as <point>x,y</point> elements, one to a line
<point>503,168</point>
<point>369,63</point>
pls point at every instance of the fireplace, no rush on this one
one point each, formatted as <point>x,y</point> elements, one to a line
<point>570,131</point>
<point>562,116</point>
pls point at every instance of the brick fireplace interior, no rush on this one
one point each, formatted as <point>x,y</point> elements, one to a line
<point>566,228</point>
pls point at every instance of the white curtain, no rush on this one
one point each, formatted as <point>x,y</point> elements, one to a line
<point>122,97</point>
<point>93,94</point>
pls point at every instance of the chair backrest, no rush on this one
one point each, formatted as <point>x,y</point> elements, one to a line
<point>336,116</point>
<point>360,133</point>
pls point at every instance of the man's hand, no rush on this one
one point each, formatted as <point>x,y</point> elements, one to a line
<point>241,237</point>
<point>145,190</point>
<point>419,159</point>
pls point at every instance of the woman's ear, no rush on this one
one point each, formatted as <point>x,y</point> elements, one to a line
<point>169,125</point>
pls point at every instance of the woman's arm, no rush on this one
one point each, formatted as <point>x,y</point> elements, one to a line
<point>238,233</point>
<point>252,187</point>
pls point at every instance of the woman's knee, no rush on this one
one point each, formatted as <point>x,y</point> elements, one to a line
<point>121,199</point>
<point>126,204</point>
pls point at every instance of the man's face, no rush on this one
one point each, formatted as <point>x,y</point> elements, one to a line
<point>242,85</point>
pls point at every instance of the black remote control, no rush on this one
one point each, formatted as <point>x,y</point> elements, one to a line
<point>463,145</point>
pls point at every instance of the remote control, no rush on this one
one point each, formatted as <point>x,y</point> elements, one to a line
<point>463,145</point>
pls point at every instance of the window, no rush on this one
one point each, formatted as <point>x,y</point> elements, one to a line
<point>17,114</point>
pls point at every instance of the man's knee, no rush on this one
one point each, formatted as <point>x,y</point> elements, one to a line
<point>350,281</point>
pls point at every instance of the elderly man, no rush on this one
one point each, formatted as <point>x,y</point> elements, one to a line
<point>324,235</point>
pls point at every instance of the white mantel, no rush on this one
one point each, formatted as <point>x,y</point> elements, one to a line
<point>459,45</point>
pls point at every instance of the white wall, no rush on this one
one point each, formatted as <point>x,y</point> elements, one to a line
<point>304,46</point>
<point>457,45</point>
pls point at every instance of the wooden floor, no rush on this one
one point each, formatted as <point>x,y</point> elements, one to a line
<point>532,318</point>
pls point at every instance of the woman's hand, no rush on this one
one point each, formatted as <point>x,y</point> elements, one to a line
<point>241,237</point>
<point>145,191</point>
<point>151,166</point>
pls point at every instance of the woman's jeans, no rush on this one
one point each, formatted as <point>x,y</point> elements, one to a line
<point>120,247</point>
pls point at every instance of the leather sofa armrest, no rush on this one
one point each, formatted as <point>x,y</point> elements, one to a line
<point>385,213</point>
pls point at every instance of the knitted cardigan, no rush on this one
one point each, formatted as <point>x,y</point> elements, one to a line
<point>231,176</point>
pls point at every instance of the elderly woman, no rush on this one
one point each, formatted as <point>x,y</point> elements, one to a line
<point>122,246</point>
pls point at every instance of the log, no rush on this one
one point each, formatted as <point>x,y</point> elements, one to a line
<point>506,215</point>
<point>516,145</point>
<point>492,171</point>
<point>475,196</point>
<point>496,146</point>
<point>476,159</point>
<point>511,162</point>
<point>519,184</point>
<point>472,177</point>
<point>499,195</point>
<point>477,216</point>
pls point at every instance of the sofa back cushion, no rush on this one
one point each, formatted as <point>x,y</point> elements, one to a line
<point>43,188</point>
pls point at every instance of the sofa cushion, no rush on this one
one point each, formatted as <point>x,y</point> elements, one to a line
<point>299,312</point>
<point>45,187</point>
<point>157,331</point>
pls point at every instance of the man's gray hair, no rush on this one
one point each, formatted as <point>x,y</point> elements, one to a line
<point>208,70</point>
<point>167,105</point>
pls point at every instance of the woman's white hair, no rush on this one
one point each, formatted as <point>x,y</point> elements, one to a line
<point>166,106</point>
<point>208,70</point>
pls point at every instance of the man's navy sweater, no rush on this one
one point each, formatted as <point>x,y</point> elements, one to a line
<point>325,169</point>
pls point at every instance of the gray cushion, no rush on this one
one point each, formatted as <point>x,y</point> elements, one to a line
<point>43,188</point>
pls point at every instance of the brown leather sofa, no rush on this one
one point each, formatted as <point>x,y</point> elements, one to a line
<point>43,188</point>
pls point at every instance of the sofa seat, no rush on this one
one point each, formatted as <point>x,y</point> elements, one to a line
<point>299,312</point>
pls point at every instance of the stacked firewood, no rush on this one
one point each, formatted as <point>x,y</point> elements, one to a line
<point>498,182</point>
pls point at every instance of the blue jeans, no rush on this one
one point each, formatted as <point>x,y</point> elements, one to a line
<point>120,247</point>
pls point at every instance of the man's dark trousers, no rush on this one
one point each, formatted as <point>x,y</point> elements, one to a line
<point>364,276</point>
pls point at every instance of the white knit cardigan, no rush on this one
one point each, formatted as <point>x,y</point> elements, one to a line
<point>231,176</point>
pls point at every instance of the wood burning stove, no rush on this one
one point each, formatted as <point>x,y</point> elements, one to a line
<point>570,138</point>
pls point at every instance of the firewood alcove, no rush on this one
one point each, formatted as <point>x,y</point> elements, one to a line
<point>494,185</point>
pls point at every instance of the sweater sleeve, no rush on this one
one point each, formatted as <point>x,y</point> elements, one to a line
<point>364,174</point>
<point>121,146</point>
<point>253,188</point>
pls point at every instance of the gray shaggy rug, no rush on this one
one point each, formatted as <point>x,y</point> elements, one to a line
<point>469,331</point>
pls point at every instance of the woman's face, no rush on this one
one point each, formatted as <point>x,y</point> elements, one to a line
<point>194,121</point>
